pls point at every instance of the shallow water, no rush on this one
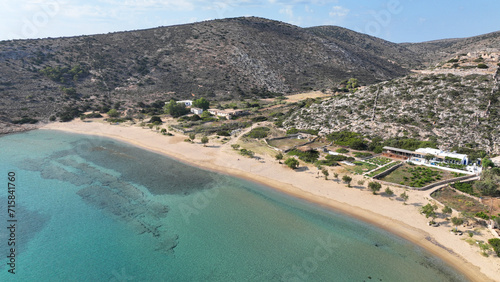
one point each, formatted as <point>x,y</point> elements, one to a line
<point>93,209</point>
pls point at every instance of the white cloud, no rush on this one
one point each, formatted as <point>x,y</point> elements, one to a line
<point>287,10</point>
<point>304,2</point>
<point>339,11</point>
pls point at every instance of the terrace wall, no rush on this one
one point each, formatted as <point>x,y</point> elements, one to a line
<point>384,173</point>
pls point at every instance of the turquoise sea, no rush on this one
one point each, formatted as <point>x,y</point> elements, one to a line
<point>93,209</point>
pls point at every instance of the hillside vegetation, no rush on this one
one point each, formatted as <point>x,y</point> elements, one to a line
<point>220,59</point>
<point>454,110</point>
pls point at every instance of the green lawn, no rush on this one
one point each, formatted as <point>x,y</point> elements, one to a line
<point>379,161</point>
<point>382,169</point>
<point>361,167</point>
<point>417,176</point>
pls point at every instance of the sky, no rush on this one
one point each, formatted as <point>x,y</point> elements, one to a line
<point>393,20</point>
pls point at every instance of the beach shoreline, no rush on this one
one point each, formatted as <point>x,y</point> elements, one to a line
<point>383,212</point>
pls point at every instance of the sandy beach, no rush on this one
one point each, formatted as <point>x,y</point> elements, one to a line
<point>385,212</point>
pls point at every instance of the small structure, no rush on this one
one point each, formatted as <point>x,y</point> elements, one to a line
<point>187,103</point>
<point>226,113</point>
<point>443,156</point>
<point>397,153</point>
<point>421,153</point>
<point>197,111</point>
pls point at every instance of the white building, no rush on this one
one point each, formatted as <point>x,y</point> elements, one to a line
<point>197,111</point>
<point>187,103</point>
<point>444,156</point>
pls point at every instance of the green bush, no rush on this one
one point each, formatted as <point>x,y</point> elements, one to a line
<point>466,187</point>
<point>482,215</point>
<point>292,163</point>
<point>495,243</point>
<point>362,155</point>
<point>25,120</point>
<point>259,132</point>
<point>482,66</point>
<point>155,120</point>
<point>223,133</point>
<point>248,153</point>
<point>113,113</point>
<point>259,118</point>
<point>94,115</point>
<point>309,156</point>
<point>342,151</point>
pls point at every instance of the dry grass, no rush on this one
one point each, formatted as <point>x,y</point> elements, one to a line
<point>449,197</point>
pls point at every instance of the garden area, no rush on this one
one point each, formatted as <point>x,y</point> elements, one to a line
<point>382,169</point>
<point>417,176</point>
<point>285,144</point>
<point>360,167</point>
<point>454,166</point>
<point>379,161</point>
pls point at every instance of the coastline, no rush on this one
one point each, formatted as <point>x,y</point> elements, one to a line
<point>383,212</point>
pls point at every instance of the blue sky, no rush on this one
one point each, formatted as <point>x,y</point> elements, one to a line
<point>393,20</point>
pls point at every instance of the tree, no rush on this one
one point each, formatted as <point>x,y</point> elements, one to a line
<point>389,192</point>
<point>204,141</point>
<point>484,248</point>
<point>325,173</point>
<point>201,103</point>
<point>175,109</point>
<point>292,163</point>
<point>347,179</point>
<point>446,210</point>
<point>235,146</point>
<point>429,157</point>
<point>155,120</point>
<point>192,136</point>
<point>497,221</point>
<point>279,157</point>
<point>404,196</point>
<point>487,163</point>
<point>429,211</point>
<point>375,187</point>
<point>352,83</point>
<point>487,187</point>
<point>457,221</point>
<point>113,113</point>
<point>495,243</point>
<point>336,175</point>
<point>248,153</point>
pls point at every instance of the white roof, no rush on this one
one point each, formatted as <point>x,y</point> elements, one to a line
<point>437,152</point>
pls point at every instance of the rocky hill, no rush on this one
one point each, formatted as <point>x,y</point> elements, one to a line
<point>220,59</point>
<point>375,47</point>
<point>434,52</point>
<point>243,58</point>
<point>455,110</point>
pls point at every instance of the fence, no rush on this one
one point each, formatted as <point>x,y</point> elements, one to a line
<point>384,173</point>
<point>460,179</point>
